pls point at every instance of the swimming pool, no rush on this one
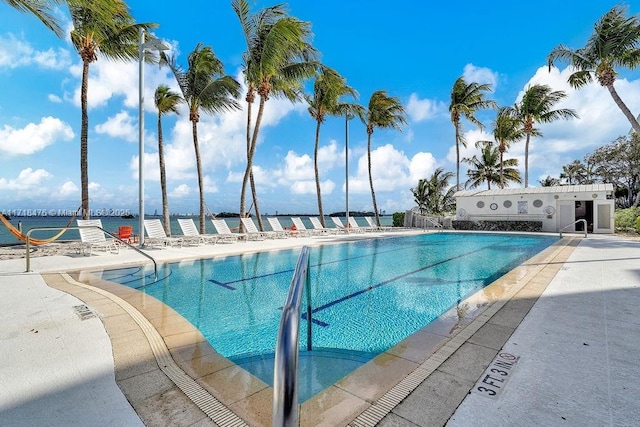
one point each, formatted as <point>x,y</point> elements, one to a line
<point>366,295</point>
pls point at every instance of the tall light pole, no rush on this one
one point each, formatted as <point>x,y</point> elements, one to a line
<point>152,44</point>
<point>347,117</point>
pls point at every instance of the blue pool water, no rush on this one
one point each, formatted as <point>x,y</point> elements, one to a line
<point>366,295</point>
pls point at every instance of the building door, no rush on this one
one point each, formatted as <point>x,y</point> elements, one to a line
<point>566,216</point>
<point>584,210</point>
<point>603,216</point>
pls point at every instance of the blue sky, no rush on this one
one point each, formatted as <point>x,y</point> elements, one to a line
<point>415,50</point>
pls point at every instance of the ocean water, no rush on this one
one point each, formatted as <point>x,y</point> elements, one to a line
<point>111,223</point>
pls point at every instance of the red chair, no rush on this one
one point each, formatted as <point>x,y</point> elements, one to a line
<point>125,233</point>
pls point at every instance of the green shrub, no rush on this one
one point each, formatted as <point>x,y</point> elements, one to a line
<point>638,224</point>
<point>627,219</point>
<point>398,219</point>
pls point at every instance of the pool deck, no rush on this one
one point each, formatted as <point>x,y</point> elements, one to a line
<point>570,316</point>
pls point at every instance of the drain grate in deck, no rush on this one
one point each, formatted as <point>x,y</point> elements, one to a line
<point>84,312</point>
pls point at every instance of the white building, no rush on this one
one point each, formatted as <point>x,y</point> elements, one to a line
<point>555,207</point>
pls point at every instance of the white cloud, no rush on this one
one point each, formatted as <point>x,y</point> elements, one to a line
<point>54,98</point>
<point>422,165</point>
<point>34,137</point>
<point>298,168</point>
<point>120,126</point>
<point>68,188</point>
<point>480,75</point>
<point>391,170</point>
<point>423,109</point>
<point>27,179</point>
<point>309,187</point>
<point>15,53</point>
<point>182,190</point>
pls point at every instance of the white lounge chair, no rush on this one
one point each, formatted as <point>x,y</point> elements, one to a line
<point>274,222</point>
<point>354,226</point>
<point>156,235</point>
<point>300,227</point>
<point>253,233</point>
<point>92,238</point>
<point>226,236</point>
<point>317,225</point>
<point>338,223</point>
<point>192,235</point>
<point>374,226</point>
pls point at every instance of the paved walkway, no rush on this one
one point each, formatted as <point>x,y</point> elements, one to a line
<point>578,350</point>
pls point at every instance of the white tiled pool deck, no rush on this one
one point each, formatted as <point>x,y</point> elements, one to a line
<point>578,349</point>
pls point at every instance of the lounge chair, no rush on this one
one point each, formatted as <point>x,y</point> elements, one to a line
<point>354,226</point>
<point>226,236</point>
<point>374,226</point>
<point>192,235</point>
<point>277,227</point>
<point>317,225</point>
<point>157,236</point>
<point>92,238</point>
<point>300,227</point>
<point>338,223</point>
<point>253,233</point>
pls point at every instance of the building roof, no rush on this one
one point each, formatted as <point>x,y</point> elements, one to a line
<point>536,190</point>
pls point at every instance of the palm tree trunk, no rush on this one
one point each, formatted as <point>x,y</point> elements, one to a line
<point>457,157</point>
<point>84,141</point>
<point>196,146</point>
<point>373,194</point>
<point>501,170</point>
<point>634,122</point>
<point>163,181</point>
<point>526,161</point>
<point>252,151</point>
<point>243,192</point>
<point>254,195</point>
<point>315,165</point>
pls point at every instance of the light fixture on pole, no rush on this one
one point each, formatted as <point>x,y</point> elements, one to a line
<point>152,44</point>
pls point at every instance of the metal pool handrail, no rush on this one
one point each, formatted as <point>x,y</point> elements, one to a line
<point>573,223</point>
<point>285,370</point>
<point>28,237</point>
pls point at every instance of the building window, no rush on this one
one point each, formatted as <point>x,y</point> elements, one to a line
<point>480,204</point>
<point>537,203</point>
<point>523,207</point>
<point>493,206</point>
<point>507,204</point>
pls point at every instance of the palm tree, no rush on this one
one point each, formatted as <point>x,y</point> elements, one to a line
<point>277,60</point>
<point>113,33</point>
<point>328,88</point>
<point>166,101</point>
<point>421,195</point>
<point>466,100</point>
<point>506,130</point>
<point>440,200</point>
<point>536,107</point>
<point>487,167</point>
<point>384,112</point>
<point>204,87</point>
<point>573,173</point>
<point>43,10</point>
<point>614,43</point>
<point>549,181</point>
<point>434,195</point>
